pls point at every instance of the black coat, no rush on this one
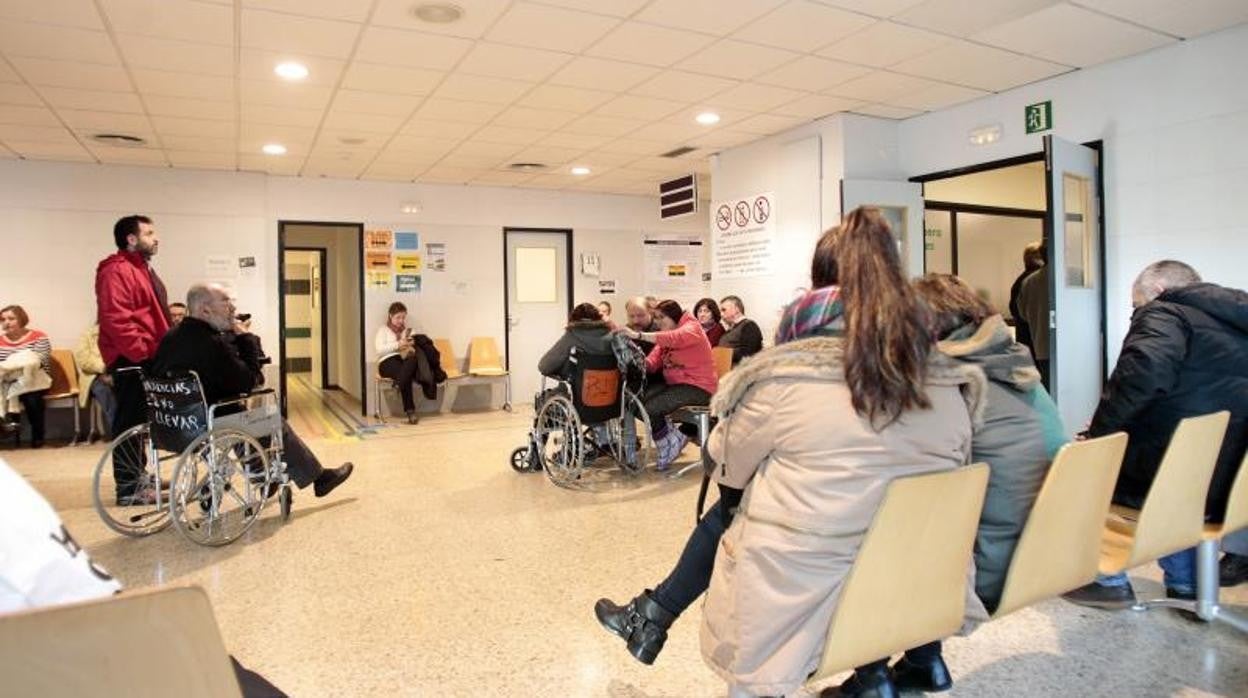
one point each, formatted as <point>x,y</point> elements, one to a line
<point>745,339</point>
<point>227,364</point>
<point>1186,354</point>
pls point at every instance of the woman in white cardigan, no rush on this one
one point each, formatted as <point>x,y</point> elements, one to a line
<point>398,358</point>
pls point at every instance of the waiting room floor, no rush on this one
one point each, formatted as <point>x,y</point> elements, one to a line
<point>436,570</point>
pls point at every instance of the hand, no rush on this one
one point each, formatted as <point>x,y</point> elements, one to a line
<point>627,332</point>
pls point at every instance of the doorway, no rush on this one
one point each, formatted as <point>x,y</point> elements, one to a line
<point>537,266</point>
<point>305,317</point>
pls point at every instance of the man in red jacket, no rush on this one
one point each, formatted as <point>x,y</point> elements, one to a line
<point>133,314</point>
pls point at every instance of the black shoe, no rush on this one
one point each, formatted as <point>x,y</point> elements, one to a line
<point>643,624</point>
<point>874,682</point>
<point>412,417</point>
<point>1099,596</point>
<point>932,677</point>
<point>330,479</point>
<point>1233,569</point>
<point>1183,596</point>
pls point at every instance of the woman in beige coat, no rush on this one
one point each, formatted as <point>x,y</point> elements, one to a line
<point>814,430</point>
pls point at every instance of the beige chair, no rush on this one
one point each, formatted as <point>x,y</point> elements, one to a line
<point>485,361</point>
<point>1173,516</point>
<point>380,384</point>
<point>1059,548</point>
<point>146,644</point>
<point>65,386</point>
<point>446,357</point>
<point>908,585</point>
<point>723,360</point>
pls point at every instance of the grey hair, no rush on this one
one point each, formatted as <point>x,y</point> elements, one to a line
<point>198,296</point>
<point>1163,276</point>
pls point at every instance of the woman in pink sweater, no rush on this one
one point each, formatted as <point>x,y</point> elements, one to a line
<point>683,354</point>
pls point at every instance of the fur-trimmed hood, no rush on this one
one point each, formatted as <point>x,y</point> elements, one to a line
<point>822,359</point>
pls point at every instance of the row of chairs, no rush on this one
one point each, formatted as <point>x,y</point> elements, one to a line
<point>485,364</point>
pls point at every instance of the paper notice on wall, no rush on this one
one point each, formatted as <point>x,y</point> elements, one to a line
<point>377,240</point>
<point>379,280</point>
<point>435,256</point>
<point>407,263</point>
<point>219,266</point>
<point>406,241</point>
<point>407,283</point>
<point>606,287</point>
<point>673,267</point>
<point>743,236</point>
<point>377,262</point>
<point>247,268</point>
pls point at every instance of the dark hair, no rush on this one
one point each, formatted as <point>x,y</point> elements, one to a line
<point>583,312</point>
<point>886,336</point>
<point>18,311</point>
<point>125,227</point>
<point>707,303</point>
<point>734,299</point>
<point>823,271</point>
<point>1033,255</point>
<point>952,303</point>
<point>608,304</point>
<point>178,304</point>
<point>671,309</point>
<point>396,308</point>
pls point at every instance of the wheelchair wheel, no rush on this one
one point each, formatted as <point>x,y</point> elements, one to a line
<point>520,460</point>
<point>132,460</point>
<point>219,486</point>
<point>633,447</point>
<point>286,500</point>
<point>560,443</point>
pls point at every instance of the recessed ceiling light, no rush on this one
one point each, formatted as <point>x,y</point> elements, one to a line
<point>438,12</point>
<point>274,149</point>
<point>707,118</point>
<point>580,170</point>
<point>527,166</point>
<point>290,70</point>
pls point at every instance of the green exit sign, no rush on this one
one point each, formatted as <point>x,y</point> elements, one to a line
<point>1039,117</point>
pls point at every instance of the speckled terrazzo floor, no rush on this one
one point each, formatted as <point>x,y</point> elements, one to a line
<point>437,571</point>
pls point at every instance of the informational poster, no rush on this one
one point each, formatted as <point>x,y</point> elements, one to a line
<point>606,286</point>
<point>377,261</point>
<point>673,267</point>
<point>743,235</point>
<point>407,283</point>
<point>377,240</point>
<point>435,256</point>
<point>379,280</point>
<point>247,267</point>
<point>407,263</point>
<point>219,266</point>
<point>407,241</point>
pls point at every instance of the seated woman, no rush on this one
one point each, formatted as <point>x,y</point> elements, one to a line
<point>407,359</point>
<point>16,337</point>
<point>586,331</point>
<point>707,313</point>
<point>682,353</point>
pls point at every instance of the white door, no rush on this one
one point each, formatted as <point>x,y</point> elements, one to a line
<point>1073,235</point>
<point>537,302</point>
<point>902,204</point>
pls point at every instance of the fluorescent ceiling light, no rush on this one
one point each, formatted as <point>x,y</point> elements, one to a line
<point>707,118</point>
<point>290,70</point>
<point>580,170</point>
<point>274,149</point>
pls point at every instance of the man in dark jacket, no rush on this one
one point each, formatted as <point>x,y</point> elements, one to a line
<point>1033,259</point>
<point>743,336</point>
<point>226,357</point>
<point>1186,354</point>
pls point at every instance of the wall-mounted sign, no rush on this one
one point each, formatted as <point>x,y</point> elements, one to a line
<point>743,232</point>
<point>1039,117</point>
<point>378,240</point>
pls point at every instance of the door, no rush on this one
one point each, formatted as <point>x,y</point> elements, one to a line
<point>303,296</point>
<point>902,205</point>
<point>1073,236</point>
<point>539,298</point>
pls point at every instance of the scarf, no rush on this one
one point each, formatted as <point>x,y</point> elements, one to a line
<point>817,313</point>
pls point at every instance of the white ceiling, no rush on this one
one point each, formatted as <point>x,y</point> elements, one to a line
<point>608,84</point>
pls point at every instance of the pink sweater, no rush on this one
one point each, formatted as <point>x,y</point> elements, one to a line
<point>684,354</point>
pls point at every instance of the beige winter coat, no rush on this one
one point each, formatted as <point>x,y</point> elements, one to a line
<point>814,474</point>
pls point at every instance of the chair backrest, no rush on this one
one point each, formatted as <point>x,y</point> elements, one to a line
<point>909,582</point>
<point>137,645</point>
<point>1173,515</point>
<point>176,410</point>
<point>484,358</point>
<point>64,374</point>
<point>723,360</point>
<point>1237,505</point>
<point>1060,547</point>
<point>446,357</point>
<point>596,386</point>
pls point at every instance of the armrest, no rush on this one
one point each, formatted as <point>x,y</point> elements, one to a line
<point>240,400</point>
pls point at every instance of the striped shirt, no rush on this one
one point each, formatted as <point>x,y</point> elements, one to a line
<point>33,340</point>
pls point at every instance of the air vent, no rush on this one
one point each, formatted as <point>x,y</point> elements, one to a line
<point>119,139</point>
<point>684,149</point>
<point>526,167</point>
<point>678,197</point>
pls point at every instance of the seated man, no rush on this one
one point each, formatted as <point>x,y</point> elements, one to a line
<point>226,358</point>
<point>641,319</point>
<point>743,336</point>
<point>1186,354</point>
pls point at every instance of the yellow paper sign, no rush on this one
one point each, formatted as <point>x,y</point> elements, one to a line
<point>407,264</point>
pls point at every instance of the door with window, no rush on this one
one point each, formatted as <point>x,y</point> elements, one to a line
<point>539,298</point>
<point>901,204</point>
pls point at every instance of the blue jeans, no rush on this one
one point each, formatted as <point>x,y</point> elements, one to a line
<point>692,574</point>
<point>1179,573</point>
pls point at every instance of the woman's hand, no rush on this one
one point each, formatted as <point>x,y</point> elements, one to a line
<point>627,332</point>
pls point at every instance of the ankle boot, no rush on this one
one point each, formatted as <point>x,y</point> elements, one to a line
<point>931,676</point>
<point>870,681</point>
<point>643,623</point>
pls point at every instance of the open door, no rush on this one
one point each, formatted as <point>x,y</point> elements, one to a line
<point>902,204</point>
<point>1073,237</point>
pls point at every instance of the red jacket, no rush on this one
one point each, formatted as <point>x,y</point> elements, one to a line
<point>684,355</point>
<point>132,318</point>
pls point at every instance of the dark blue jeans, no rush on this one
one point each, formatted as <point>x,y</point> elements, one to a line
<point>692,574</point>
<point>1179,572</point>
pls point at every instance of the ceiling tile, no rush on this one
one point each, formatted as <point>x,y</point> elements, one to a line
<point>722,138</point>
<point>386,78</point>
<point>331,169</point>
<point>982,67</point>
<point>367,123</point>
<point>883,44</point>
<point>632,146</point>
<point>440,109</point>
<point>1072,36</point>
<point>558,180</point>
<point>497,60</point>
<point>601,161</point>
<point>574,140</point>
<point>501,179</point>
<point>574,99</point>
<point>648,44</point>
<point>172,19</point>
<point>817,106</point>
<point>526,117</point>
<point>767,124</point>
<point>598,73</point>
<point>879,86</point>
<point>736,59</point>
<point>885,111</point>
<point>706,16</point>
<point>381,172</point>
<point>615,8</point>
<point>282,116</point>
<point>668,132</point>
<point>39,150</point>
<point>478,16</point>
<point>475,148</point>
<point>597,125</point>
<point>375,102</point>
<point>178,126</point>
<point>508,135</point>
<point>129,156</point>
<point>87,76</point>
<point>1186,19</point>
<point>728,114</point>
<point>813,74</point>
<point>411,49</point>
<point>478,88</point>
<point>554,28</point>
<point>347,10</point>
<point>15,93</point>
<point>953,17</point>
<point>199,144</point>
<point>315,37</point>
<point>252,137</point>
<point>660,165</point>
<point>28,116</point>
<point>167,84</point>
<point>441,129</point>
<point>679,85</point>
<point>35,134</point>
<point>637,107</point>
<point>255,64</point>
<point>57,43</point>
<point>349,141</point>
<point>277,165</point>
<point>422,146</point>
<point>751,96</point>
<point>803,26</point>
<point>471,161</point>
<point>64,13</point>
<point>443,174</point>
<point>178,56</point>
<point>190,108</point>
<point>279,94</point>
<point>550,155</point>
<point>7,74</point>
<point>875,8</point>
<point>200,160</point>
<point>100,122</point>
<point>937,96</point>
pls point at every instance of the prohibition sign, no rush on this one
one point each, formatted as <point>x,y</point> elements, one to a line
<point>723,217</point>
<point>742,214</point>
<point>762,209</point>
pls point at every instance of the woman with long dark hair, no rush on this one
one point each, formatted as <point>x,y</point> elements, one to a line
<point>707,313</point>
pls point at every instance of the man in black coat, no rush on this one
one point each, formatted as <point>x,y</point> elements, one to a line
<point>743,336</point>
<point>1033,259</point>
<point>227,359</point>
<point>1185,355</point>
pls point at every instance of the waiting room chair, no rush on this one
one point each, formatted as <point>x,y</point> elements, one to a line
<point>485,361</point>
<point>454,376</point>
<point>65,386</point>
<point>382,383</point>
<point>723,360</point>
<point>1059,548</point>
<point>146,644</point>
<point>1173,515</point>
<point>908,585</point>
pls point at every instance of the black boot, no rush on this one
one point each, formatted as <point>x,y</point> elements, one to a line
<point>870,681</point>
<point>931,676</point>
<point>643,623</point>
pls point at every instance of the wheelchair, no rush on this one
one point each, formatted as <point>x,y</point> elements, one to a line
<point>594,414</point>
<point>224,467</point>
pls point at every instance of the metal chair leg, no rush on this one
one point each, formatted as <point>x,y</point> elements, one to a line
<point>1206,606</point>
<point>77,422</point>
<point>377,402</point>
<point>704,428</point>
